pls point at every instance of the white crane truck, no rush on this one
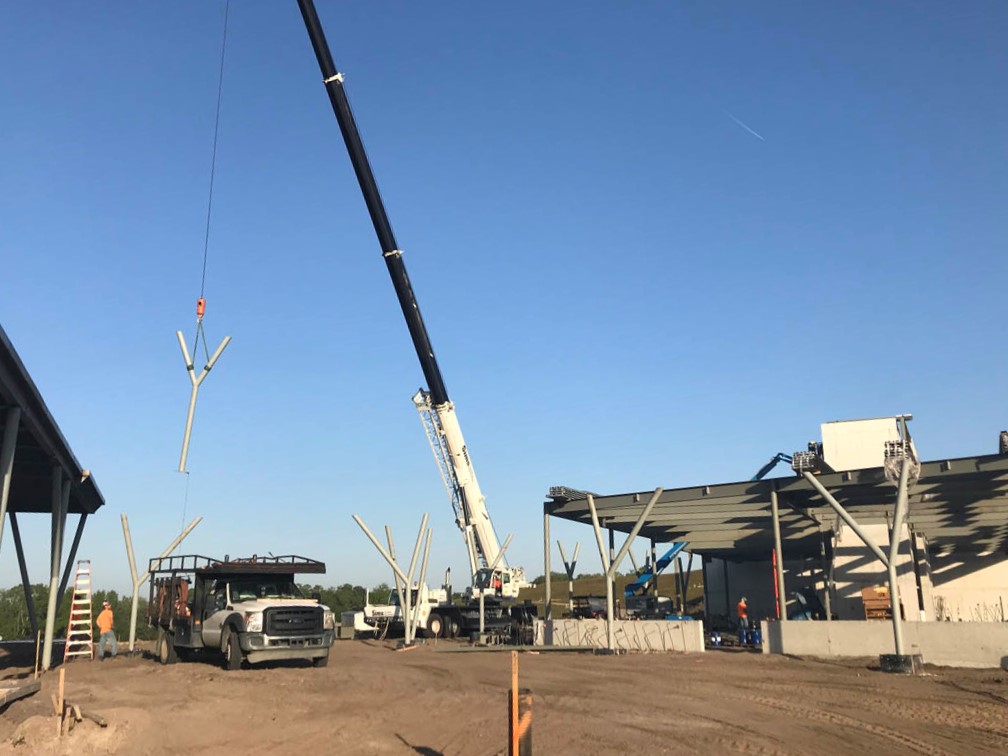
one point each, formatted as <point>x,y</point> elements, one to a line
<point>490,574</point>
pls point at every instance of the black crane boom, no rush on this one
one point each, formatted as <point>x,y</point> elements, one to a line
<point>372,197</point>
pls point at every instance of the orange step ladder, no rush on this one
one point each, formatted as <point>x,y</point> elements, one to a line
<point>80,630</point>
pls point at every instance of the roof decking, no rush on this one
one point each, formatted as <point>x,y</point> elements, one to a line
<point>959,504</point>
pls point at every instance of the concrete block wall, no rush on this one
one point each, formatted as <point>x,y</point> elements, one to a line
<point>949,644</point>
<point>970,587</point>
<point>629,635</point>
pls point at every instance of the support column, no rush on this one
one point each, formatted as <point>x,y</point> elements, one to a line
<point>11,425</point>
<point>60,502</point>
<point>548,612</point>
<point>654,571</point>
<point>727,591</point>
<point>611,566</point>
<point>827,576</point>
<point>26,584</point>
<point>775,515</point>
<point>894,541</point>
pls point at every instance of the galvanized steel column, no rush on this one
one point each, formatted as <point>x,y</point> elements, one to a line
<point>11,426</point>
<point>826,575</point>
<point>548,611</point>
<point>25,583</point>
<point>775,515</point>
<point>894,541</point>
<point>60,502</point>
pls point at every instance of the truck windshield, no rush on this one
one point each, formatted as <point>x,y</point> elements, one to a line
<point>252,589</point>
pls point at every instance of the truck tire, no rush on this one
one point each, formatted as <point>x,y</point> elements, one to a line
<point>232,651</point>
<point>166,648</point>
<point>453,627</point>
<point>435,626</point>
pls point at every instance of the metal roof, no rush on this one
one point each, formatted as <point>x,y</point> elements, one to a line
<point>959,504</point>
<point>40,444</point>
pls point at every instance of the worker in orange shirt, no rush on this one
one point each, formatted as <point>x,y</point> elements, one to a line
<point>743,613</point>
<point>105,623</point>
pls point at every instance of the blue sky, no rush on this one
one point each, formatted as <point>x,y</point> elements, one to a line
<point>625,287</point>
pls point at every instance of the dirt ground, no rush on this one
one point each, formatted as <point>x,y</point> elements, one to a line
<point>446,699</point>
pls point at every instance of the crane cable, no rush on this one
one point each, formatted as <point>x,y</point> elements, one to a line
<point>201,302</point>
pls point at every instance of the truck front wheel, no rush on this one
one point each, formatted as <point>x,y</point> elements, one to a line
<point>232,651</point>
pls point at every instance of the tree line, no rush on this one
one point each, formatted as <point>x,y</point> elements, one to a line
<point>15,621</point>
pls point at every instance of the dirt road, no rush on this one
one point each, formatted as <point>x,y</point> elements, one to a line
<point>448,700</point>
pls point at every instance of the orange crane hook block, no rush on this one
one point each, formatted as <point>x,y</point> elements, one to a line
<point>200,307</point>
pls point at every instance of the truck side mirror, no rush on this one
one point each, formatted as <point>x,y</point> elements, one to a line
<point>317,597</point>
<point>220,601</point>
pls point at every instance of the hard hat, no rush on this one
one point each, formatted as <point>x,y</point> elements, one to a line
<point>106,603</point>
<point>743,599</point>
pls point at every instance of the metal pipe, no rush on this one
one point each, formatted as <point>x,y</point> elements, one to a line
<point>139,580</point>
<point>23,567</point>
<point>636,529</point>
<point>9,446</point>
<point>654,569</point>
<point>548,597</point>
<point>604,557</point>
<point>845,516</point>
<point>196,383</point>
<point>894,541</point>
<point>71,556</point>
<point>633,561</point>
<point>423,578</point>
<point>398,582</point>
<point>60,502</point>
<point>826,575</point>
<point>410,630</point>
<point>775,516</point>
<point>381,550</point>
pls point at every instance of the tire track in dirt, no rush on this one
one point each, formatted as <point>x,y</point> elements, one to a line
<point>842,720</point>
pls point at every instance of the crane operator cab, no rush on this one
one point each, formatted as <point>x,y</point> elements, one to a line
<point>494,583</point>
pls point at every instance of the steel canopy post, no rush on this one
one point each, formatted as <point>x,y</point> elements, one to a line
<point>894,541</point>
<point>11,425</point>
<point>60,502</point>
<point>197,381</point>
<point>548,611</point>
<point>23,567</point>
<point>827,582</point>
<point>775,515</point>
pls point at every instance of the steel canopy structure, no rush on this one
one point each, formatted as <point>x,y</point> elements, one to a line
<point>959,504</point>
<point>39,474</point>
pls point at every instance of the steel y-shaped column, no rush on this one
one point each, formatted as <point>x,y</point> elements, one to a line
<point>196,382</point>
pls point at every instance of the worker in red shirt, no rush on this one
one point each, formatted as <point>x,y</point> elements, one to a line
<point>105,623</point>
<point>743,613</point>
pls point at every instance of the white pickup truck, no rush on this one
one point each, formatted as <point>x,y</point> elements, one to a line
<point>248,610</point>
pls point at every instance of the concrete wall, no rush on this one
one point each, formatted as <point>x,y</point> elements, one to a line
<point>970,587</point>
<point>639,635</point>
<point>949,644</point>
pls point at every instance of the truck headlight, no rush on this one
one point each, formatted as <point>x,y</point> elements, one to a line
<point>253,622</point>
<point>328,620</point>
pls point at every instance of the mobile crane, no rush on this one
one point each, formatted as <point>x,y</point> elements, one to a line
<point>437,412</point>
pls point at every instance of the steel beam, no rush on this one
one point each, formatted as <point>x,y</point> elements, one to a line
<point>775,513</point>
<point>23,567</point>
<point>60,502</point>
<point>70,558</point>
<point>197,381</point>
<point>7,449</point>
<point>827,569</point>
<point>548,612</point>
<point>894,541</point>
<point>845,516</point>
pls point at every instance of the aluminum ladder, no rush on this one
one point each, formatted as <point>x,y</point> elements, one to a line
<point>80,630</point>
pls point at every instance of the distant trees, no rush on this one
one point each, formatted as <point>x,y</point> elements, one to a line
<point>346,597</point>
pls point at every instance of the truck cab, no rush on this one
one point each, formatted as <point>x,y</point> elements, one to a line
<point>247,610</point>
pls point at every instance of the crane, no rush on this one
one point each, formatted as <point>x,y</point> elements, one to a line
<point>437,412</point>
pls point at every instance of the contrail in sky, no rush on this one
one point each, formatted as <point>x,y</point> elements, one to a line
<point>758,136</point>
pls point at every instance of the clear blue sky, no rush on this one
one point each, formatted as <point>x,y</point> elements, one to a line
<point>625,286</point>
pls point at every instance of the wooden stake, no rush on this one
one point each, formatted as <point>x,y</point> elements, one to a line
<point>513,723</point>
<point>59,704</point>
